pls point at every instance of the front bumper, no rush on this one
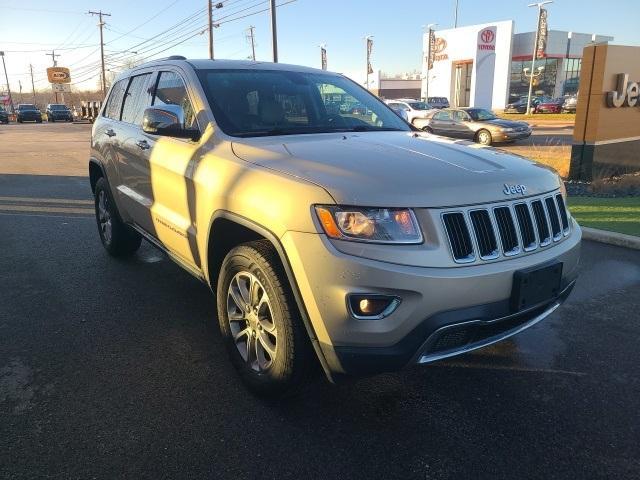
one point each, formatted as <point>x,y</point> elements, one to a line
<point>30,117</point>
<point>433,299</point>
<point>510,136</point>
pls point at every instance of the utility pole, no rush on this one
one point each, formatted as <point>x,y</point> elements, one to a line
<point>210,11</point>
<point>8,87</point>
<point>101,25</point>
<point>535,50</point>
<point>210,7</point>
<point>53,56</point>
<point>33,86</point>
<point>274,32</point>
<point>252,39</point>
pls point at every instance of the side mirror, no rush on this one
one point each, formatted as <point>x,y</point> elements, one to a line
<point>167,121</point>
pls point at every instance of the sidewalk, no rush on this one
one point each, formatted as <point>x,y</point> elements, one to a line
<point>550,124</point>
<point>611,238</point>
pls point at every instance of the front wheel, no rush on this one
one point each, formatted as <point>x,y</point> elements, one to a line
<point>259,320</point>
<point>483,137</point>
<point>117,238</point>
<point>427,129</point>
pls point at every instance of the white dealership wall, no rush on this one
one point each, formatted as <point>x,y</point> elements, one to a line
<point>490,74</point>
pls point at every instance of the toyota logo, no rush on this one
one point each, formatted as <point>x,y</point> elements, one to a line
<point>439,45</point>
<point>487,36</point>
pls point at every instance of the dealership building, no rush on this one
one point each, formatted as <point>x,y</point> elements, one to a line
<point>484,65</point>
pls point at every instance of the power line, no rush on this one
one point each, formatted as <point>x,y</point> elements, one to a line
<point>145,22</point>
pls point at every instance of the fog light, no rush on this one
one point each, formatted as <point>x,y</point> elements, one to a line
<point>372,307</point>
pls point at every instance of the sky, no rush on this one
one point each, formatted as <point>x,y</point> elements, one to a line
<point>31,28</point>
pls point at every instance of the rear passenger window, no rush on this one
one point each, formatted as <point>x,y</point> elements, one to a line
<point>114,103</point>
<point>171,91</point>
<point>137,98</point>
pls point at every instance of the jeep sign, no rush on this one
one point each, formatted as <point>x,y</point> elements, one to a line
<point>626,94</point>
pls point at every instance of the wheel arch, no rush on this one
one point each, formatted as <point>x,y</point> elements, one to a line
<point>220,241</point>
<point>96,170</point>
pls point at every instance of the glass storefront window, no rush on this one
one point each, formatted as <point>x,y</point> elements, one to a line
<point>543,85</point>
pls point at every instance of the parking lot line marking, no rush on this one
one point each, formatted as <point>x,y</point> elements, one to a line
<point>26,208</point>
<point>55,215</point>
<point>46,200</point>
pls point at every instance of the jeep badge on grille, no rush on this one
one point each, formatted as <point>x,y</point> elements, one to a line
<point>514,189</point>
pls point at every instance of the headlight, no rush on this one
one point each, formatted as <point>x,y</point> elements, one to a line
<point>508,129</point>
<point>379,225</point>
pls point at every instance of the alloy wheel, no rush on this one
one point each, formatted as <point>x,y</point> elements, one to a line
<point>104,217</point>
<point>251,321</point>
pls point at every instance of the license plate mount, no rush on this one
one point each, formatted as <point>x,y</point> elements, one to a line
<point>535,286</point>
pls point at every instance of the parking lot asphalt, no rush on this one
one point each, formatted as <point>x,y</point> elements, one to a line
<point>115,369</point>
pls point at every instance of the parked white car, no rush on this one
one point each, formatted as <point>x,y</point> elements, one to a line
<point>416,111</point>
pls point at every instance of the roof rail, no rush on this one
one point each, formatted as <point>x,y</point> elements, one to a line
<point>172,57</point>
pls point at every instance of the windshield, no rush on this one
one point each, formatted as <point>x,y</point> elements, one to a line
<point>58,107</point>
<point>480,114</point>
<point>251,103</point>
<point>27,107</point>
<point>420,106</point>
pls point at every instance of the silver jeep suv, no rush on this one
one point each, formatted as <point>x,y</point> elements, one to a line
<point>351,239</point>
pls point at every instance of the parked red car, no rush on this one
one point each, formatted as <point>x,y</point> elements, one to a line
<point>550,106</point>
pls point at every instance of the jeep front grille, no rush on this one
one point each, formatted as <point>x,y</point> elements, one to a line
<point>505,230</point>
<point>459,237</point>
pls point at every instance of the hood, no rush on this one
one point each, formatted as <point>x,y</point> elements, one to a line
<point>398,169</point>
<point>500,122</point>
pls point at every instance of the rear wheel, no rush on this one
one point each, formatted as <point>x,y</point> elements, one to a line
<point>427,129</point>
<point>483,137</point>
<point>117,238</point>
<point>259,321</point>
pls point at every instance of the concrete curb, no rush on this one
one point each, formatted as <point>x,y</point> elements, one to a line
<point>611,238</point>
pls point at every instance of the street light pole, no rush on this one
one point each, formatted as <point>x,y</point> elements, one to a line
<point>535,48</point>
<point>455,16</point>
<point>7,78</point>
<point>274,32</point>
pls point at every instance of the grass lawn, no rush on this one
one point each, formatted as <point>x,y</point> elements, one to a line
<point>614,214</point>
<point>568,117</point>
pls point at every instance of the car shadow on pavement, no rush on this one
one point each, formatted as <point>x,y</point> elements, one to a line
<point>118,366</point>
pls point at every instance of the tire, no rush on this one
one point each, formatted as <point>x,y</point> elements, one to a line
<point>276,327</point>
<point>53,120</point>
<point>39,121</point>
<point>118,239</point>
<point>427,129</point>
<point>483,137</point>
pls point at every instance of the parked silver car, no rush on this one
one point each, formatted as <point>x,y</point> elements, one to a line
<point>476,124</point>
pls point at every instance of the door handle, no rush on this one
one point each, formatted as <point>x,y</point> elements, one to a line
<point>110,133</point>
<point>143,144</point>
